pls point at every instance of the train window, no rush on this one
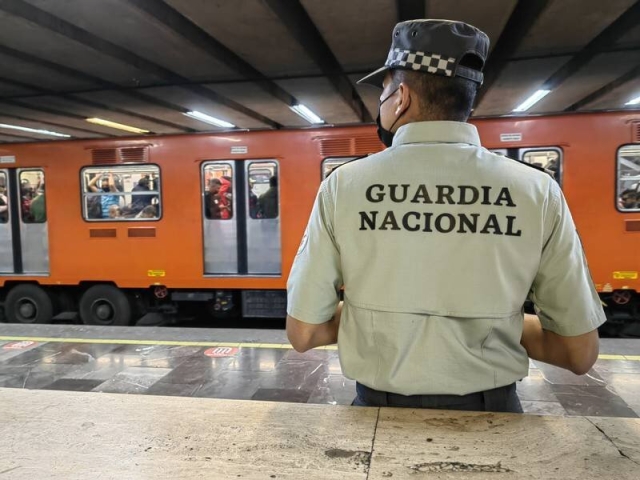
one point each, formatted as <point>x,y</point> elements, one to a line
<point>218,191</point>
<point>263,190</point>
<point>628,188</point>
<point>4,199</point>
<point>330,164</point>
<point>121,193</point>
<point>547,158</point>
<point>32,196</point>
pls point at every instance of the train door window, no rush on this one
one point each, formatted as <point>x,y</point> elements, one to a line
<point>121,193</point>
<point>218,191</point>
<point>222,247</point>
<point>263,239</point>
<point>628,179</point>
<point>547,158</point>
<point>32,196</point>
<point>330,164</point>
<point>262,181</point>
<point>32,231</point>
<point>4,198</point>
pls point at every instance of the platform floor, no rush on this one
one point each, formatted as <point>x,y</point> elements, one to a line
<point>259,365</point>
<point>69,435</point>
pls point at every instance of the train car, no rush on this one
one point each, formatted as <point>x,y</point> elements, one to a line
<point>117,230</point>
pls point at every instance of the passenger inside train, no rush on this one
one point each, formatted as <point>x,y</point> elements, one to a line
<point>4,201</point>
<point>268,201</point>
<point>124,193</point>
<point>212,200</point>
<point>629,200</point>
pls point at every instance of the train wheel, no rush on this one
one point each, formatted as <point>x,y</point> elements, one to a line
<point>105,305</point>
<point>28,304</point>
<point>622,297</point>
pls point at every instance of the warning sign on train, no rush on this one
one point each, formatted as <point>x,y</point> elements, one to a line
<point>510,137</point>
<point>8,159</point>
<point>19,345</point>
<point>219,352</point>
<point>625,275</point>
<point>239,149</point>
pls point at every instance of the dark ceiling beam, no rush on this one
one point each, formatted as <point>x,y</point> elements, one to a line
<point>603,41</point>
<point>613,49</point>
<point>523,17</point>
<point>43,19</point>
<point>299,24</point>
<point>50,111</point>
<point>105,85</point>
<point>50,123</point>
<point>606,89</point>
<point>92,104</point>
<point>135,91</point>
<point>19,137</point>
<point>181,25</point>
<point>411,9</point>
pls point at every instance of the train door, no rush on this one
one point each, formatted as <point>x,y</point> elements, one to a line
<point>241,218</point>
<point>263,218</point>
<point>6,237</point>
<point>24,235</point>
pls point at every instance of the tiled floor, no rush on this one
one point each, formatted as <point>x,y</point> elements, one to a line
<point>612,388</point>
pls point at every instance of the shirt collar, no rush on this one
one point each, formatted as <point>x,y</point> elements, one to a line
<point>436,132</point>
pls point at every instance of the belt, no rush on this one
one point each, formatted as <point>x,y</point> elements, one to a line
<point>497,399</point>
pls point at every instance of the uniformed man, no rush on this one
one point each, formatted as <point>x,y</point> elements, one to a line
<point>438,243</point>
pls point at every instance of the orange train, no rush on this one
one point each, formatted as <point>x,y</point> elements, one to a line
<point>116,231</point>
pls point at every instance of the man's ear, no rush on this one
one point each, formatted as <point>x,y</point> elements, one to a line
<point>403,98</point>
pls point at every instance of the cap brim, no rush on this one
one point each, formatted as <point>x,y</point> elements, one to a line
<point>374,79</point>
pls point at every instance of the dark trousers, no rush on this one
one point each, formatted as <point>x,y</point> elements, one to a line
<point>503,399</point>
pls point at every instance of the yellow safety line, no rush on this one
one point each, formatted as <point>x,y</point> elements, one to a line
<point>179,343</point>
<point>176,343</point>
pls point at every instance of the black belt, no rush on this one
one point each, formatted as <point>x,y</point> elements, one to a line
<point>502,399</point>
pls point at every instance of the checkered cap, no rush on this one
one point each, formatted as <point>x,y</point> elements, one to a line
<point>438,47</point>
<point>428,62</point>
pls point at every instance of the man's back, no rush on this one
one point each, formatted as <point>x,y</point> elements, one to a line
<point>437,244</point>
<point>440,243</point>
<point>445,217</point>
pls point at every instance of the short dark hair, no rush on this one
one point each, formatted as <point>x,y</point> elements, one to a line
<point>440,97</point>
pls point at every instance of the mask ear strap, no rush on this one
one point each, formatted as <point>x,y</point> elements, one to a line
<point>388,97</point>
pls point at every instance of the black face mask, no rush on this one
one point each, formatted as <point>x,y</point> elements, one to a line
<point>386,136</point>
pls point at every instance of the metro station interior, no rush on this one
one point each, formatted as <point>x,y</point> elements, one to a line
<point>159,163</point>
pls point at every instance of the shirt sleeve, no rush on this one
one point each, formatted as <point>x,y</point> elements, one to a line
<point>316,277</point>
<point>563,293</point>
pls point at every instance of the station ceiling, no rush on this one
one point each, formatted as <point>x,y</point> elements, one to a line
<point>145,63</point>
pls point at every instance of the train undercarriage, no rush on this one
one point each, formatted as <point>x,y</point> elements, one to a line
<point>106,304</point>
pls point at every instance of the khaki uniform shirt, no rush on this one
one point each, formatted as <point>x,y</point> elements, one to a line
<point>438,243</point>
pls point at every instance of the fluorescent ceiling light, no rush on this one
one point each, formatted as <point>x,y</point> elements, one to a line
<point>119,126</point>
<point>633,101</point>
<point>307,114</point>
<point>531,101</point>
<point>203,117</point>
<point>35,130</point>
